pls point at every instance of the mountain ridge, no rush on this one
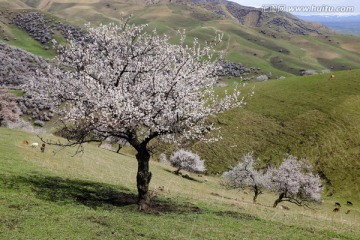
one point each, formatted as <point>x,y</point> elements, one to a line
<point>341,24</point>
<point>249,16</point>
<point>280,44</point>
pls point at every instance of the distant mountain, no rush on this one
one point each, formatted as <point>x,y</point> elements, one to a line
<point>341,24</point>
<point>279,22</point>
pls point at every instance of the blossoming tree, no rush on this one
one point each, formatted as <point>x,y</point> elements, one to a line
<point>295,182</point>
<point>123,82</point>
<point>182,159</point>
<point>244,175</point>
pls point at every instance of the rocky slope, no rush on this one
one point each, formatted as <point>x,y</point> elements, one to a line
<point>17,67</point>
<point>258,18</point>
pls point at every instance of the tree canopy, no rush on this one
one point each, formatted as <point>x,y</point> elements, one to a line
<point>295,182</point>
<point>244,175</point>
<point>123,82</point>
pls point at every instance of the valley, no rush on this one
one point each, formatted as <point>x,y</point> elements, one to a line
<point>301,87</point>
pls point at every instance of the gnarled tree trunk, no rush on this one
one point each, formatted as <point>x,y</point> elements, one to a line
<point>281,196</point>
<point>143,178</point>
<point>177,171</point>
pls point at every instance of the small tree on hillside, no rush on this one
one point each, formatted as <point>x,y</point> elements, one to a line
<point>9,109</point>
<point>189,161</point>
<point>295,182</point>
<point>123,82</point>
<point>163,159</point>
<point>245,176</point>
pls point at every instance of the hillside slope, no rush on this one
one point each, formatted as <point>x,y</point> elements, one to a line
<point>91,196</point>
<point>280,44</point>
<point>314,117</point>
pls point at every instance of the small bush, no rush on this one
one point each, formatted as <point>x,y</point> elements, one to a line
<point>182,159</point>
<point>163,159</point>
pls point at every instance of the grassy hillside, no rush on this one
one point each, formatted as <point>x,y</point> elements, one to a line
<point>313,117</point>
<point>20,39</point>
<point>91,196</point>
<point>282,55</point>
<point>263,47</point>
<point>16,4</point>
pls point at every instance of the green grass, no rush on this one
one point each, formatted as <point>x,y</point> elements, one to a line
<point>24,41</point>
<point>312,117</point>
<point>18,93</point>
<point>92,196</point>
<point>243,44</point>
<point>246,45</point>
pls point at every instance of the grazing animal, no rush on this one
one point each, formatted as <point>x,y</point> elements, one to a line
<point>337,204</point>
<point>43,147</point>
<point>34,145</point>
<point>332,76</point>
<point>26,142</point>
<point>336,209</point>
<point>349,203</point>
<point>347,212</point>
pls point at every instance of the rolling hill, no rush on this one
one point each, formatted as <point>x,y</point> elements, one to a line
<point>278,43</point>
<point>92,196</point>
<point>314,117</point>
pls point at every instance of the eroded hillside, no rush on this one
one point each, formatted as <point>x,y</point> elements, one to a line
<point>277,43</point>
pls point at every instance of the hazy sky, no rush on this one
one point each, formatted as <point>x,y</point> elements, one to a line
<point>306,3</point>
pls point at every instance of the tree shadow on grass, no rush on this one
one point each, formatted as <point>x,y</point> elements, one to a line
<point>91,194</point>
<point>186,176</point>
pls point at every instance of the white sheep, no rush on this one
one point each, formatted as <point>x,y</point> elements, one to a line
<point>34,145</point>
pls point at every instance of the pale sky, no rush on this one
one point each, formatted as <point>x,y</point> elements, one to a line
<point>322,7</point>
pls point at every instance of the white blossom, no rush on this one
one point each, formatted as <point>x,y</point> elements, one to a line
<point>245,176</point>
<point>187,160</point>
<point>163,159</point>
<point>122,79</point>
<point>126,83</point>
<point>295,182</point>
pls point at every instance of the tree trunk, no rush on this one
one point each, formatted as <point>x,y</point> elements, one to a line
<point>281,196</point>
<point>119,148</point>
<point>143,178</point>
<point>257,193</point>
